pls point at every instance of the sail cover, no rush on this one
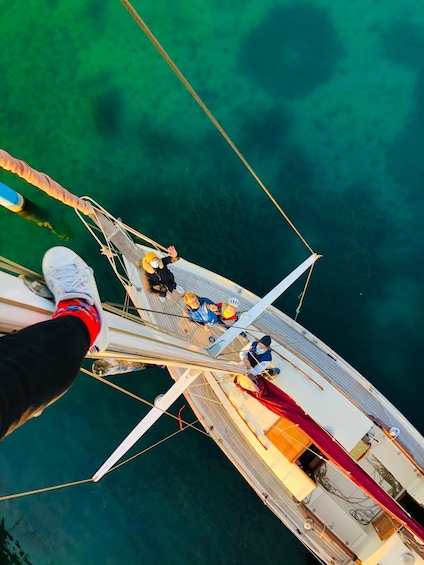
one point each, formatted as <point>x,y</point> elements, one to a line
<point>282,404</point>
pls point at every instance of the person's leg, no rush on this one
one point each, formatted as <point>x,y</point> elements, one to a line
<point>171,284</point>
<point>38,365</point>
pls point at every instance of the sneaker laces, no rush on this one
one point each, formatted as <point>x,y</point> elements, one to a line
<point>70,279</point>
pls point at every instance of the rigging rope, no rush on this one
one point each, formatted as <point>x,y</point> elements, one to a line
<point>45,489</point>
<point>9,265</point>
<point>43,182</point>
<point>132,395</point>
<point>203,106</point>
<point>302,295</point>
<point>75,483</point>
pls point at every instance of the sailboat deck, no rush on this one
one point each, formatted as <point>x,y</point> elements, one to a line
<point>213,416</point>
<point>210,395</point>
<point>346,379</point>
<point>290,335</point>
<point>169,316</point>
<point>285,332</point>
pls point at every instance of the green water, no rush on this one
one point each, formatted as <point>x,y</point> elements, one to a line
<point>325,99</point>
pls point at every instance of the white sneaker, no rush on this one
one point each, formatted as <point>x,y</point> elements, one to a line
<point>68,276</point>
<point>179,289</point>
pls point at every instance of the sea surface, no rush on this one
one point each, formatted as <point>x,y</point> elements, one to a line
<point>326,102</point>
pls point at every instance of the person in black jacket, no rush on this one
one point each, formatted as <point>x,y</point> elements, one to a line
<point>157,278</point>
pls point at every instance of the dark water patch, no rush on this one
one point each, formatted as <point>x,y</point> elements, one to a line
<point>106,109</point>
<point>292,51</point>
<point>263,131</point>
<point>294,179</point>
<point>209,212</point>
<point>361,274</point>
<point>403,43</point>
<point>419,96</point>
<point>155,143</point>
<point>346,227</point>
<point>201,209</point>
<point>360,227</point>
<point>404,155</point>
<point>392,382</point>
<point>96,12</point>
<point>11,551</point>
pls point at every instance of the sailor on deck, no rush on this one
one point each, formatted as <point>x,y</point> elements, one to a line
<point>200,309</point>
<point>257,357</point>
<point>157,278</point>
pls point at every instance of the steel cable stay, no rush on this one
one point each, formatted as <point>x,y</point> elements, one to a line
<point>186,425</point>
<point>143,26</point>
<point>155,42</point>
<point>90,480</point>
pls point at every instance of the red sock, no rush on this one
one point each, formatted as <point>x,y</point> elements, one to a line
<point>82,310</point>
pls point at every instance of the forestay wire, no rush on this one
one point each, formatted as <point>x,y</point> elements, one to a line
<point>90,480</point>
<point>215,122</point>
<point>184,426</point>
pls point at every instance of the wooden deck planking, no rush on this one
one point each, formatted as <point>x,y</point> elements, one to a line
<point>257,473</point>
<point>284,331</point>
<point>290,335</point>
<point>347,379</point>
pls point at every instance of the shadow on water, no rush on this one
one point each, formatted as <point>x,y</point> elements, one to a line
<point>403,44</point>
<point>404,155</point>
<point>106,108</point>
<point>105,104</point>
<point>42,218</point>
<point>96,11</point>
<point>291,51</point>
<point>11,552</point>
<point>263,131</point>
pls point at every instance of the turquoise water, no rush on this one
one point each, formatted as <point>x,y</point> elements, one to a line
<point>326,101</point>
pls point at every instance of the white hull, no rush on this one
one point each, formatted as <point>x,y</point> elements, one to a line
<point>297,488</point>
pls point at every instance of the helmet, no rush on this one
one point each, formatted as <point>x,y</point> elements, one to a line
<point>233,302</point>
<point>150,256</point>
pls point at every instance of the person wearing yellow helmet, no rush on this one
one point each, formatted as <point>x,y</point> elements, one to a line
<point>157,278</point>
<point>228,311</point>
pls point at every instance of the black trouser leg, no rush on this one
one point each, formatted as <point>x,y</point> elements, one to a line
<point>37,365</point>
